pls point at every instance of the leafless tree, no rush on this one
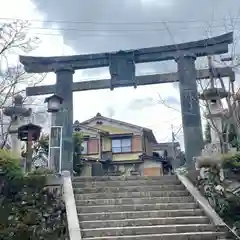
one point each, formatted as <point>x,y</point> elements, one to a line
<point>230,104</point>
<point>14,40</point>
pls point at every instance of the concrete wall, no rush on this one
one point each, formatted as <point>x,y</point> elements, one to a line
<point>87,171</point>
<point>160,147</point>
<point>151,168</point>
<point>126,168</point>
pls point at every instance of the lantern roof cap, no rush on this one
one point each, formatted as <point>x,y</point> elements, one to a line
<point>52,97</point>
<point>213,94</point>
<point>29,126</point>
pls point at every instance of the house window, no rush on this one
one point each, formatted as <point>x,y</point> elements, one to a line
<point>121,145</point>
<point>84,146</point>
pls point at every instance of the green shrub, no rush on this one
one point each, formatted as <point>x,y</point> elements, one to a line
<point>231,161</point>
<point>29,211</point>
<point>10,165</point>
<point>225,203</point>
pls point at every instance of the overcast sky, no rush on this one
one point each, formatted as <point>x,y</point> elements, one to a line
<point>88,26</point>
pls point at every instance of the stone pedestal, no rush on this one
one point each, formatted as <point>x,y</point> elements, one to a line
<point>16,144</point>
<point>215,121</point>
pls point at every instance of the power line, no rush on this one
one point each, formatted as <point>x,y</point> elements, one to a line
<point>135,33</point>
<point>177,132</point>
<point>108,32</point>
<point>126,30</point>
<point>118,23</point>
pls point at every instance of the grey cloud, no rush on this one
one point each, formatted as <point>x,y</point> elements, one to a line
<point>88,35</point>
<point>141,103</point>
<point>172,101</point>
<point>110,110</point>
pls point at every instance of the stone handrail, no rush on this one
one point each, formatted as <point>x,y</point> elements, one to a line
<point>203,202</point>
<point>71,210</point>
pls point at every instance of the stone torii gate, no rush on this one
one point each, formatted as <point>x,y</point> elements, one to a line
<point>122,70</point>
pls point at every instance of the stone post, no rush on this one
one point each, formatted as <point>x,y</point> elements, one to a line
<point>191,118</point>
<point>64,117</point>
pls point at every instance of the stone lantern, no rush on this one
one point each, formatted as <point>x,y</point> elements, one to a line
<point>213,97</point>
<point>29,133</point>
<point>55,145</point>
<point>17,113</point>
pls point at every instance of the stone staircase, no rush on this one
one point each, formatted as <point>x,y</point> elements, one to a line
<point>144,208</point>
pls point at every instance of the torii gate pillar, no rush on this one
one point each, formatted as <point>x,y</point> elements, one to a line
<point>191,118</point>
<point>64,81</point>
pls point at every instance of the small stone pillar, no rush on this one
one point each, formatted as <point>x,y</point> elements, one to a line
<point>17,113</point>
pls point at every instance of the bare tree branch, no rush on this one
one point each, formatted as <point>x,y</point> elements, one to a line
<point>15,40</point>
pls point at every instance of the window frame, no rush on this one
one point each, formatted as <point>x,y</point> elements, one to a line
<point>122,148</point>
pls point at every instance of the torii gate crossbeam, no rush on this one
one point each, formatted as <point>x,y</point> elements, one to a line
<point>122,70</point>
<point>141,81</point>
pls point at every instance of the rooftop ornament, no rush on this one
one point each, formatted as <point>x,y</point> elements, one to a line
<point>76,126</point>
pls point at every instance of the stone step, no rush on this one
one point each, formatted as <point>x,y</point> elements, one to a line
<point>125,178</point>
<point>103,195</point>
<point>141,230</point>
<point>146,188</point>
<point>167,236</point>
<point>90,184</point>
<point>144,222</point>
<point>135,207</point>
<point>106,216</point>
<point>146,200</point>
